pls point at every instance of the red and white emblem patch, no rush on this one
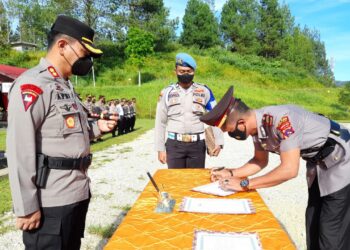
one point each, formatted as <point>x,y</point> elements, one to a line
<point>285,127</point>
<point>30,94</point>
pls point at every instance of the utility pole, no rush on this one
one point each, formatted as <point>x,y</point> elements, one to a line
<point>93,73</point>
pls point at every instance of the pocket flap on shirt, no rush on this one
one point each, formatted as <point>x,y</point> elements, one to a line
<point>336,157</point>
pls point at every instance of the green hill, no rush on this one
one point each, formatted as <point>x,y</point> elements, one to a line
<point>256,80</point>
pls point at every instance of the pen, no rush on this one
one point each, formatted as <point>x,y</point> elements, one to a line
<point>219,169</point>
<point>153,182</point>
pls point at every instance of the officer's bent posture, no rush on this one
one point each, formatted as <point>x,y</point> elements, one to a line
<point>179,107</point>
<point>48,139</point>
<point>293,132</point>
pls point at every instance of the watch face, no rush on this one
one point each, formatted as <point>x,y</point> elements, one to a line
<point>244,183</point>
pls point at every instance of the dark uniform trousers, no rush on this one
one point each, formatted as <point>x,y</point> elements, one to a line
<point>328,219</point>
<point>133,120</point>
<point>185,154</point>
<point>121,125</point>
<point>61,228</point>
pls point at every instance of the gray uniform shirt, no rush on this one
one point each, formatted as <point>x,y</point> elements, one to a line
<point>286,127</point>
<point>179,110</point>
<point>45,116</point>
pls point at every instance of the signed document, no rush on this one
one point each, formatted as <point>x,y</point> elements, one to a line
<point>213,188</point>
<point>207,240</point>
<point>217,206</point>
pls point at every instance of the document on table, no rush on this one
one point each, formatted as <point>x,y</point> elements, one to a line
<point>207,240</point>
<point>213,188</point>
<point>217,206</point>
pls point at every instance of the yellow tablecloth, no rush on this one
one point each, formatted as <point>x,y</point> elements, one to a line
<point>142,228</point>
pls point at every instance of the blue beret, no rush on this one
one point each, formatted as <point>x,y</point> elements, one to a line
<point>185,60</point>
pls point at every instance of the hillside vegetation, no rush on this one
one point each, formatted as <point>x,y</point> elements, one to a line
<point>256,80</point>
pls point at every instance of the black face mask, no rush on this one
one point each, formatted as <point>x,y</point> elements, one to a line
<point>238,134</point>
<point>82,66</point>
<point>186,78</point>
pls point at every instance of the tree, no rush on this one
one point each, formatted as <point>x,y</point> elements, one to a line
<point>322,66</point>
<point>140,44</point>
<point>199,25</point>
<point>272,30</point>
<point>148,15</point>
<point>239,24</point>
<point>4,26</point>
<point>299,50</point>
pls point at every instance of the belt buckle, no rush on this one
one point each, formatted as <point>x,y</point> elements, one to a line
<point>186,138</point>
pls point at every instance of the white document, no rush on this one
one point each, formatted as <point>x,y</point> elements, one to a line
<point>217,206</point>
<point>205,240</point>
<point>213,188</point>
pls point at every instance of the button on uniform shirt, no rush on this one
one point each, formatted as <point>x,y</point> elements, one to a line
<point>286,127</point>
<point>179,109</point>
<point>45,116</point>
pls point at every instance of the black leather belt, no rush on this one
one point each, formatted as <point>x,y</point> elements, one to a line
<point>328,147</point>
<point>68,163</point>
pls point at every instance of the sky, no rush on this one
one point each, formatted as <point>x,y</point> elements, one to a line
<point>330,17</point>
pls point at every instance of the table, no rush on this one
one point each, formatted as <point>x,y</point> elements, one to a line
<point>142,228</point>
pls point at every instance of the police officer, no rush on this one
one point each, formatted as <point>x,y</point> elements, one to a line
<point>88,103</point>
<point>121,122</point>
<point>179,108</point>
<point>101,105</point>
<point>48,138</point>
<point>127,118</point>
<point>293,132</point>
<point>133,108</point>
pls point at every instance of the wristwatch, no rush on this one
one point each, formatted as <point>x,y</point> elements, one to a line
<point>245,184</point>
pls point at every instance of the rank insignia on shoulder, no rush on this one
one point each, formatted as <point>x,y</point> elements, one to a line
<point>53,71</point>
<point>285,127</point>
<point>160,96</point>
<point>267,120</point>
<point>30,94</point>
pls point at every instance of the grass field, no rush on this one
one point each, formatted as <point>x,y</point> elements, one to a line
<point>5,195</point>
<point>2,139</point>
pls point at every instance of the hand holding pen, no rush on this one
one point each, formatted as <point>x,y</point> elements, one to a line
<point>219,173</point>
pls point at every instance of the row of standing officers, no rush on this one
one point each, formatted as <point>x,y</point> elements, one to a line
<point>123,108</point>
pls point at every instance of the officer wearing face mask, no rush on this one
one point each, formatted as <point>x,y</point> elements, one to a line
<point>293,132</point>
<point>48,141</point>
<point>179,137</point>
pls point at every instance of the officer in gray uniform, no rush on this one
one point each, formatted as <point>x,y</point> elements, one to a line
<point>293,132</point>
<point>126,111</point>
<point>179,134</point>
<point>88,103</point>
<point>48,137</point>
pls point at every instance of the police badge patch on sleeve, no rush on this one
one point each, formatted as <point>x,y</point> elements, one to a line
<point>30,94</point>
<point>285,127</point>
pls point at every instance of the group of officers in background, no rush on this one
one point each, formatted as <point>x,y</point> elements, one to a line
<point>124,108</point>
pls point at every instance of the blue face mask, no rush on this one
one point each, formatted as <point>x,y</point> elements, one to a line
<point>238,134</point>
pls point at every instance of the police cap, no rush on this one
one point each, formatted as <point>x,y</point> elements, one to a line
<point>185,60</point>
<point>218,115</point>
<point>78,30</point>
